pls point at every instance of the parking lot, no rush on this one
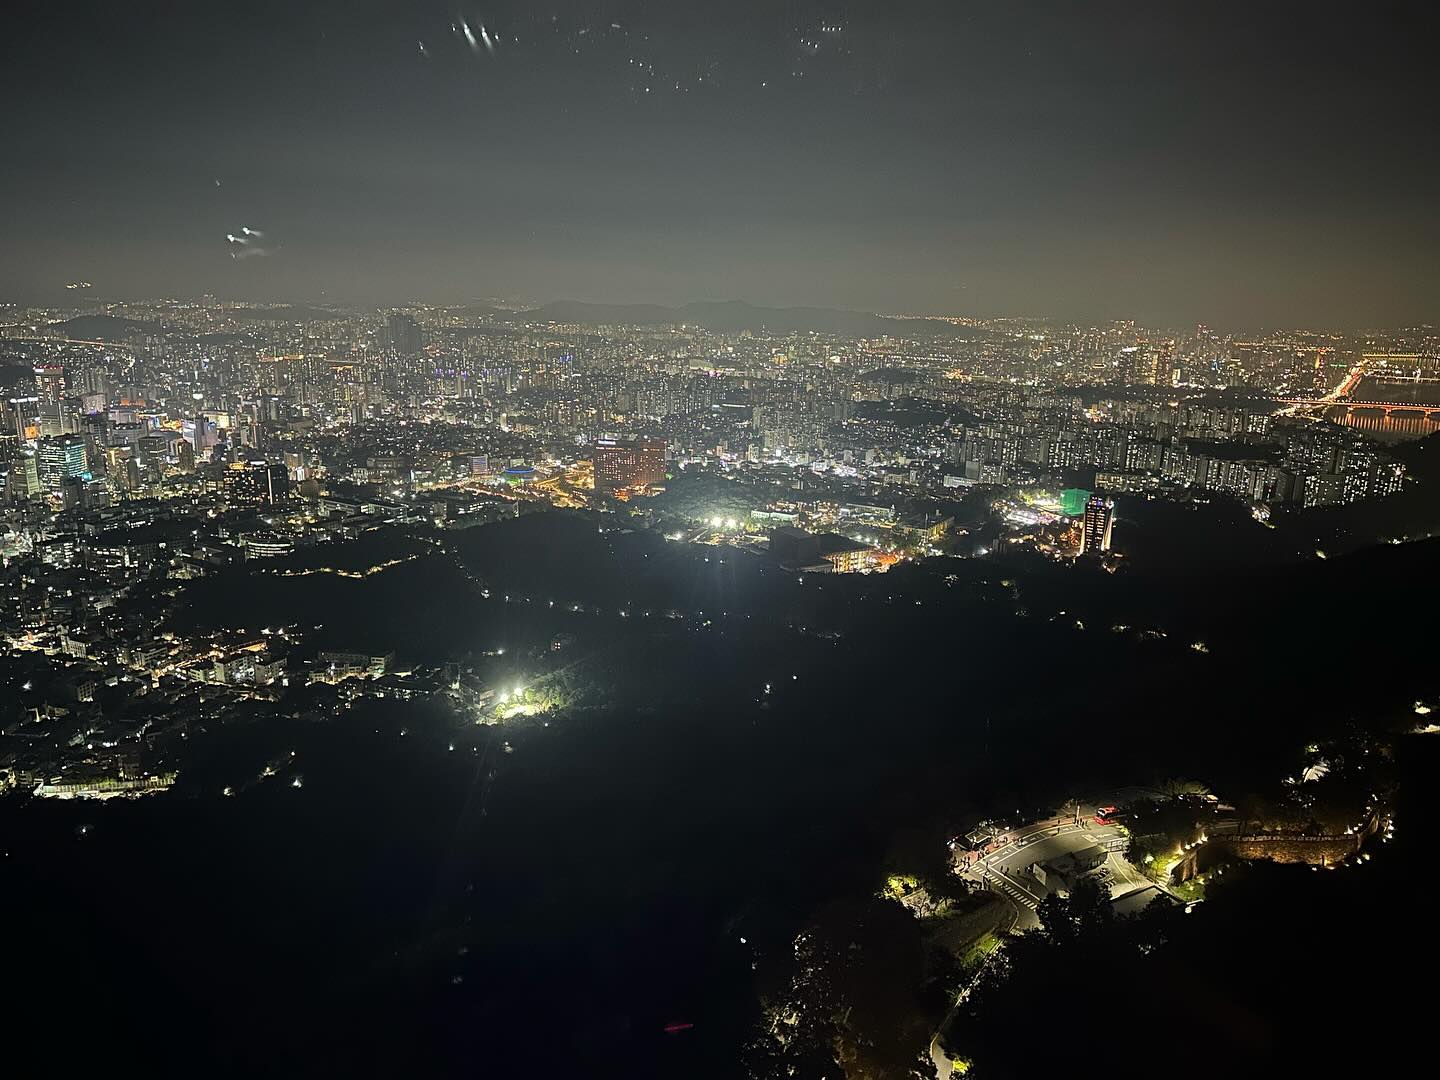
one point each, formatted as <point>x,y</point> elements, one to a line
<point>1006,869</point>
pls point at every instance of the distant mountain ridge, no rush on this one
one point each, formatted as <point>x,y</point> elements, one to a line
<point>284,313</point>
<point>101,328</point>
<point>734,316</point>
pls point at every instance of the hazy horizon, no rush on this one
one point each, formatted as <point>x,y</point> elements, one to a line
<point>1089,163</point>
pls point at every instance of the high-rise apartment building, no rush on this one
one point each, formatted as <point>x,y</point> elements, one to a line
<point>1095,531</point>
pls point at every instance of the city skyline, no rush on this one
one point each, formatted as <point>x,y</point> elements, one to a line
<point>374,601</point>
<point>441,646</point>
<point>751,539</point>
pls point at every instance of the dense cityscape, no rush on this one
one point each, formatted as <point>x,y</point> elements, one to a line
<point>155,443</point>
<point>178,468</point>
<point>831,540</point>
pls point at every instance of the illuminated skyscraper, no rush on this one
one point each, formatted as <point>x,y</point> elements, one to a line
<point>50,382</point>
<point>1095,534</point>
<point>60,459</point>
<point>23,480</point>
<point>628,463</point>
<point>23,412</point>
<point>56,417</point>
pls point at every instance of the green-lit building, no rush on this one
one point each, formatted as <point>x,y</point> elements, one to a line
<point>1073,500</point>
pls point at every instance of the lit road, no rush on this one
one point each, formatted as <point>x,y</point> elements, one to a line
<point>944,1067</point>
<point>1347,385</point>
<point>1004,869</point>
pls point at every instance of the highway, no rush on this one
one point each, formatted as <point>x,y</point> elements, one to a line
<point>1332,397</point>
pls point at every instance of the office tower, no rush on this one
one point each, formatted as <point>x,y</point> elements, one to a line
<point>60,459</point>
<point>202,433</point>
<point>50,382</point>
<point>622,464</point>
<point>1095,533</point>
<point>56,418</point>
<point>24,478</point>
<point>24,412</point>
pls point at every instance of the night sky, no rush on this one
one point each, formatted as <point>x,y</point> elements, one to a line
<point>1239,163</point>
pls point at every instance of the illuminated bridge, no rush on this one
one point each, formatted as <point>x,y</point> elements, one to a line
<point>1369,404</point>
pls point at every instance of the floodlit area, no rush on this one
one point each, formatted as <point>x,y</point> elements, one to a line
<point>1032,861</point>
